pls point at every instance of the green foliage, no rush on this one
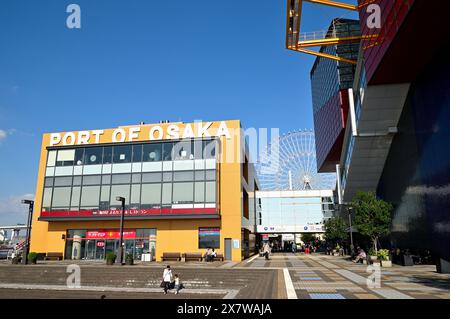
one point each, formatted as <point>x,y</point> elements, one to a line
<point>307,238</point>
<point>335,230</point>
<point>383,254</point>
<point>372,252</point>
<point>372,216</point>
<point>32,257</point>
<point>129,257</point>
<point>111,256</point>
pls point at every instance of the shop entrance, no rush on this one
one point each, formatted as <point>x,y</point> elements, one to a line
<point>97,249</point>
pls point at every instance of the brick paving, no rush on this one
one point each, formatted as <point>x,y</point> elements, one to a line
<point>327,277</point>
<point>306,276</point>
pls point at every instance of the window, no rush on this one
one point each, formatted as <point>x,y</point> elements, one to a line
<point>199,192</point>
<point>120,190</point>
<point>246,204</point>
<point>168,152</point>
<point>90,196</point>
<point>61,197</point>
<point>208,237</point>
<point>107,155</point>
<point>63,181</point>
<point>137,153</point>
<point>48,182</point>
<point>167,176</point>
<point>183,193</point>
<point>91,179</point>
<point>65,158</point>
<point>186,176</point>
<point>93,155</point>
<point>210,192</point>
<point>151,195</point>
<point>151,178</point>
<point>75,201</point>
<point>121,179</point>
<point>122,154</point>
<point>152,152</point>
<point>210,175</point>
<point>183,150</point>
<point>166,194</point>
<point>47,198</point>
<point>135,196</point>
<point>51,158</point>
<point>209,149</point>
<point>106,179</point>
<point>136,178</point>
<point>76,180</point>
<point>199,175</point>
<point>79,156</point>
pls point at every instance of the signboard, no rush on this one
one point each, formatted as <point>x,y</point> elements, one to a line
<point>134,133</point>
<point>236,243</point>
<point>110,234</point>
<point>100,244</point>
<point>130,212</point>
<point>290,229</point>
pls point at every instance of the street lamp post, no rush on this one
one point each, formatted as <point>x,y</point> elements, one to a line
<point>352,247</point>
<point>26,247</point>
<point>122,219</point>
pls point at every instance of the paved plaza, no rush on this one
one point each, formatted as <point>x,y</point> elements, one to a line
<point>285,276</point>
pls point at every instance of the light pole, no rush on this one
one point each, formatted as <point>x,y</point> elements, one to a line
<point>26,247</point>
<point>122,218</point>
<point>352,247</point>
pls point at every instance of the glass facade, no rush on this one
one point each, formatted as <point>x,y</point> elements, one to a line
<point>292,211</point>
<point>330,81</point>
<point>416,176</point>
<point>96,244</point>
<point>150,176</point>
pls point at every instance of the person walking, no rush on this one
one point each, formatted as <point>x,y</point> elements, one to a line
<point>266,251</point>
<point>167,279</point>
<point>178,284</point>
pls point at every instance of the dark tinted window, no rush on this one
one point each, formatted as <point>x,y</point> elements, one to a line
<point>93,155</point>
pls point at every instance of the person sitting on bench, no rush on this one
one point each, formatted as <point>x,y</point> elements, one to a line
<point>361,256</point>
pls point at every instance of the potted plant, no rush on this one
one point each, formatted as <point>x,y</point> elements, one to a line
<point>129,259</point>
<point>383,256</point>
<point>111,258</point>
<point>32,258</point>
<point>373,254</point>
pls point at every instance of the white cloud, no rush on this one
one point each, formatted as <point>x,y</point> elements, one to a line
<point>12,211</point>
<point>3,135</point>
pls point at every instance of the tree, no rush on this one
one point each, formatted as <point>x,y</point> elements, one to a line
<point>335,230</point>
<point>372,216</point>
<point>308,237</point>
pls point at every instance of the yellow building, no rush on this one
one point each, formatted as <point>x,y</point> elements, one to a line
<point>187,187</point>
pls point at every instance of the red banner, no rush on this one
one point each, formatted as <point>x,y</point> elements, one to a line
<point>110,234</point>
<point>131,212</point>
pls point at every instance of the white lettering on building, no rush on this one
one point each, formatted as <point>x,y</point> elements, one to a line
<point>157,132</point>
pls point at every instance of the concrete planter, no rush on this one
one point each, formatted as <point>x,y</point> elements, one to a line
<point>386,263</point>
<point>373,258</point>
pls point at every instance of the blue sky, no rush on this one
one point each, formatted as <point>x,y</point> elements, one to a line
<point>143,60</point>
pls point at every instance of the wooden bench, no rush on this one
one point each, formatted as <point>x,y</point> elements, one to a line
<point>193,256</point>
<point>171,256</point>
<point>219,257</point>
<point>53,256</point>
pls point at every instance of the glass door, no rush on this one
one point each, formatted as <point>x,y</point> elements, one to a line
<point>89,249</point>
<point>100,250</point>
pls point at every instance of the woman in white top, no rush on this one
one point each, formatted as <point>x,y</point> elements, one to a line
<point>167,278</point>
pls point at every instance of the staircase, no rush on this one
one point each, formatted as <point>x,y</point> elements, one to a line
<point>251,283</point>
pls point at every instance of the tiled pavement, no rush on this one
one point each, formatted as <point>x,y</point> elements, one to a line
<point>329,277</point>
<point>284,276</point>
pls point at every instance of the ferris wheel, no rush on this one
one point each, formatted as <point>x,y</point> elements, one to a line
<point>289,163</point>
